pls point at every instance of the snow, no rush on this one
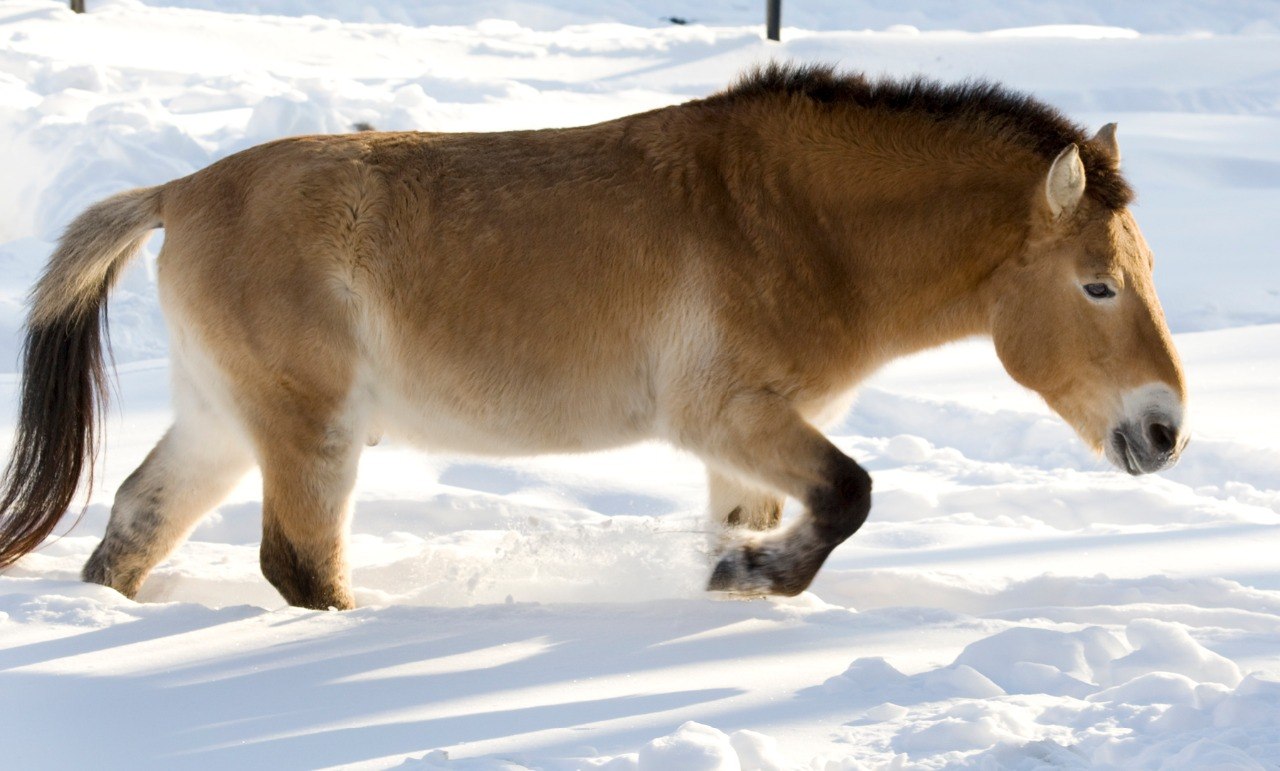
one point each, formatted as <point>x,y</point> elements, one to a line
<point>1012,604</point>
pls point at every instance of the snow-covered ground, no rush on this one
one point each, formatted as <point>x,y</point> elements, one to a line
<point>1013,603</point>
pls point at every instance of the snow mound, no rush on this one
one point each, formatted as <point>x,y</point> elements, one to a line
<point>875,681</point>
<point>1026,660</point>
<point>1175,703</point>
<point>1163,647</point>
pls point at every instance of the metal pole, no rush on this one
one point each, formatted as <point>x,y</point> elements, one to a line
<point>773,19</point>
<point>77,6</point>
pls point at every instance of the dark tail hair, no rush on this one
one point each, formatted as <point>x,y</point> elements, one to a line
<point>64,380</point>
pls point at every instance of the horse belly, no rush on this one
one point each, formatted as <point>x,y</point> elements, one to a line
<point>475,407</point>
<point>435,422</point>
<point>433,426</point>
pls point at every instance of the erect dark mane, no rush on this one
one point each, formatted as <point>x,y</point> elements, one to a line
<point>1040,127</point>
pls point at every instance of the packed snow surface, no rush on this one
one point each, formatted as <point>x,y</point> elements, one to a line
<point>1013,603</point>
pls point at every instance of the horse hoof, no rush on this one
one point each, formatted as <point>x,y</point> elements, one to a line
<point>731,575</point>
<point>739,572</point>
<point>755,571</point>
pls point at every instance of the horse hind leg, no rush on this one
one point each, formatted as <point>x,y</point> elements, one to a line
<point>735,504</point>
<point>305,516</point>
<point>308,431</point>
<point>188,472</point>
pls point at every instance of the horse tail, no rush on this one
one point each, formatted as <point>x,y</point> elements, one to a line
<point>64,380</point>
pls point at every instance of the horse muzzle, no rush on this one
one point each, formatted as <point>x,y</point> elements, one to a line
<point>1149,437</point>
<point>1145,448</point>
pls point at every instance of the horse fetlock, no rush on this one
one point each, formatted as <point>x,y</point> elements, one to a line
<point>303,581</point>
<point>308,588</point>
<point>841,506</point>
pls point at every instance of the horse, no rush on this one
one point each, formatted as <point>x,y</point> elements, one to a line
<point>719,274</point>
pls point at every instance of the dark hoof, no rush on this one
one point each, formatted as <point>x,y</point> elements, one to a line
<point>98,570</point>
<point>318,597</point>
<point>750,570</point>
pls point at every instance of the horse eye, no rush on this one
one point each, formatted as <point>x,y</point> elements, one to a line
<point>1099,291</point>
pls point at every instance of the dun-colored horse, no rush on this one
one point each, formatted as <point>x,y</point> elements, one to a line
<point>719,274</point>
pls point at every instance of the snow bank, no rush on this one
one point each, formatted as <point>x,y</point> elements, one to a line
<point>1173,702</point>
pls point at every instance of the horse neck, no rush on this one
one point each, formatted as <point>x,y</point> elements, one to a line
<point>911,220</point>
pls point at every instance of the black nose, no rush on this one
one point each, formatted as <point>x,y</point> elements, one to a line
<point>1162,438</point>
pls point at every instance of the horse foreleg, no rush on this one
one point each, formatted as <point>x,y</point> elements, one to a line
<point>760,436</point>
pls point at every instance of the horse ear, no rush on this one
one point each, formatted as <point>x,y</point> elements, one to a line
<point>1064,187</point>
<point>1105,139</point>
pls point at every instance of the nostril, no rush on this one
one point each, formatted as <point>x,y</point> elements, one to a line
<point>1163,438</point>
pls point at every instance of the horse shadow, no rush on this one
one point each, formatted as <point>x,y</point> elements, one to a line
<point>302,689</point>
